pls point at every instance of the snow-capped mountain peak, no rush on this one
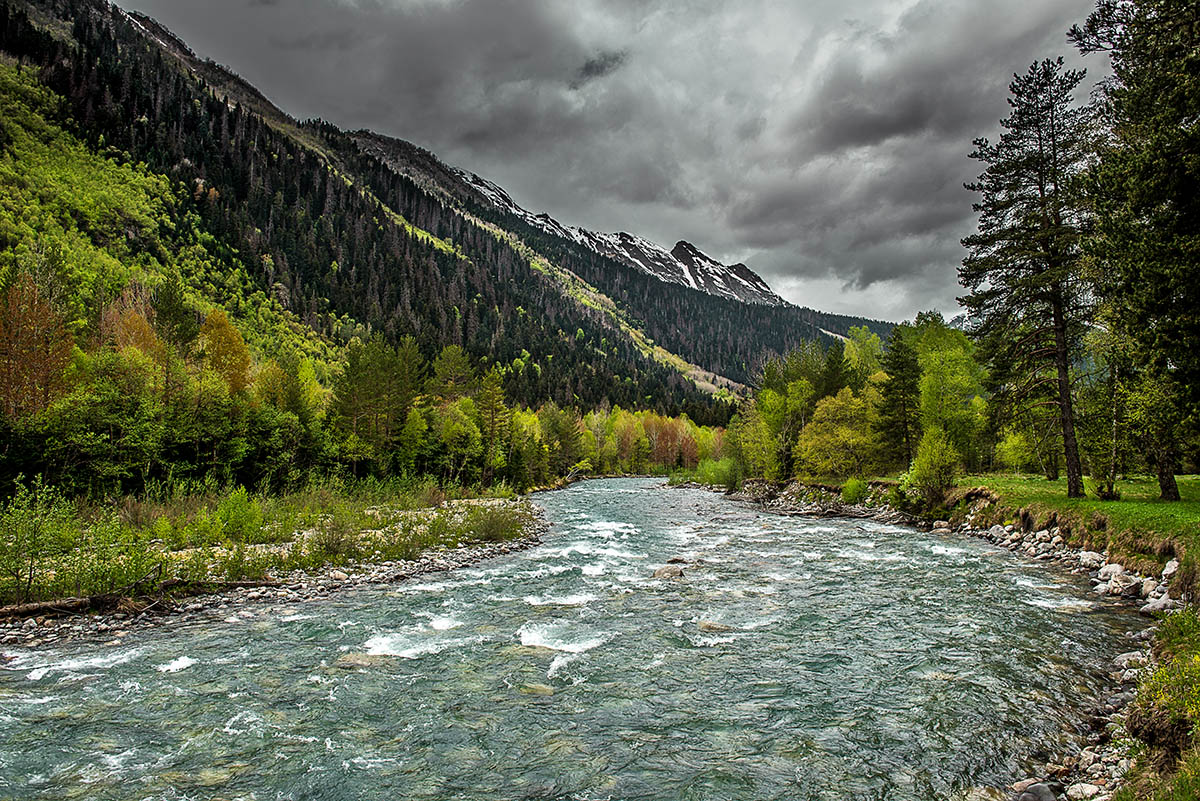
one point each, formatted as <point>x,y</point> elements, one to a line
<point>684,264</point>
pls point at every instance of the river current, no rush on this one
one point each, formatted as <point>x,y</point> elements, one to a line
<point>796,659</point>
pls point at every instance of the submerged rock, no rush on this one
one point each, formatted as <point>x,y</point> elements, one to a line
<point>1042,791</point>
<point>713,626</point>
<point>537,689</point>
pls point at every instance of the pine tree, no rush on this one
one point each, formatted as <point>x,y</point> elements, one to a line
<point>900,407</point>
<point>1027,301</point>
<point>495,423</point>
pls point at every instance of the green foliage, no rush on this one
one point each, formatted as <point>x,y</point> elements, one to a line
<point>841,440</point>
<point>725,472</point>
<point>854,491</point>
<point>934,470</point>
<point>1145,239</point>
<point>1015,452</point>
<point>899,425</point>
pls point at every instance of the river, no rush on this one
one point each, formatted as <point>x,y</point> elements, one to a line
<point>795,659</point>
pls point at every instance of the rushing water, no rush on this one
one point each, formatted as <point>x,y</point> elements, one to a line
<point>797,659</point>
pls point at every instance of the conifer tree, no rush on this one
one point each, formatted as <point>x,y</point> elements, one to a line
<point>1027,302</point>
<point>900,406</point>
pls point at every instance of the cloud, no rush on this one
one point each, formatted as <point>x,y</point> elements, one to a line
<point>824,143</point>
<point>598,66</point>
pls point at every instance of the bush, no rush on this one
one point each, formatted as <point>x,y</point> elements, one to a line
<point>37,526</point>
<point>854,490</point>
<point>240,516</point>
<point>725,473</point>
<point>935,469</point>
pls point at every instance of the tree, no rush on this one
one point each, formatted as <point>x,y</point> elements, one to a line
<point>900,397</point>
<point>226,351</point>
<point>841,439</point>
<point>935,469</point>
<point>494,423</point>
<point>453,374</point>
<point>1147,193</point>
<point>1026,300</point>
<point>35,348</point>
<point>864,353</point>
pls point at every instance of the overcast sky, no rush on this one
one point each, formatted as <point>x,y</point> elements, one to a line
<point>822,142</point>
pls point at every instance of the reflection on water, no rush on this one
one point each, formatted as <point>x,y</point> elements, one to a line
<point>796,659</point>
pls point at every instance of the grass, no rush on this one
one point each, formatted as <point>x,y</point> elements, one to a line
<point>1139,528</point>
<point>189,538</point>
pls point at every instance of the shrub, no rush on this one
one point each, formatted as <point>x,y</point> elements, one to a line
<point>934,470</point>
<point>38,525</point>
<point>240,516</point>
<point>725,473</point>
<point>854,490</point>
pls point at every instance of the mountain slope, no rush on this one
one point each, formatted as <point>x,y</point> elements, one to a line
<point>358,233</point>
<point>684,264</point>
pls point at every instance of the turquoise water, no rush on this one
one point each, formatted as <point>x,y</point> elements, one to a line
<point>796,659</point>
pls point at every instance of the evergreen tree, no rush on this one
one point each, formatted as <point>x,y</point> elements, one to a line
<point>900,405</point>
<point>494,423</point>
<point>1147,231</point>
<point>1026,300</point>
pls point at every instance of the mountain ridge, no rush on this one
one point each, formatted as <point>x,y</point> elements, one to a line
<point>358,233</point>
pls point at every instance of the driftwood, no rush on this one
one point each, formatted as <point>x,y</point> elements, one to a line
<point>69,606</point>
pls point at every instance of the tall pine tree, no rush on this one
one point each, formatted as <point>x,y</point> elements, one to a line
<point>900,407</point>
<point>1026,300</point>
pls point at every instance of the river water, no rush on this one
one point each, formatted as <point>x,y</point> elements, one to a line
<point>796,659</point>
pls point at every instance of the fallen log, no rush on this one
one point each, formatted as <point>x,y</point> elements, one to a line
<point>74,606</point>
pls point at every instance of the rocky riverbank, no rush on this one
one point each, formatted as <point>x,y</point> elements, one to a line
<point>1096,771</point>
<point>294,587</point>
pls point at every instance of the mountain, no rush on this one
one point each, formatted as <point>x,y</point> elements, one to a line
<point>336,234</point>
<point>684,264</point>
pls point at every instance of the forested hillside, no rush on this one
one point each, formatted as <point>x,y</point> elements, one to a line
<point>350,245</point>
<point>281,207</point>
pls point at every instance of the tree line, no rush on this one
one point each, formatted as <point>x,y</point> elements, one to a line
<point>1079,350</point>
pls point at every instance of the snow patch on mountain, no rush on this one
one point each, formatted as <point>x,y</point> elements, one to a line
<point>684,264</point>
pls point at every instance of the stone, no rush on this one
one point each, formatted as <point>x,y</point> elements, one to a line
<point>677,560</point>
<point>1125,585</point>
<point>669,571</point>
<point>338,575</point>
<point>1091,559</point>
<point>1148,587</point>
<point>537,689</point>
<point>1123,662</point>
<point>1082,790</point>
<point>1041,791</point>
<point>1111,571</point>
<point>1022,786</point>
<point>1170,569</point>
<point>1162,603</point>
<point>713,626</point>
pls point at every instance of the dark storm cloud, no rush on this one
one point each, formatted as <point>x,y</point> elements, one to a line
<point>599,66</point>
<point>824,142</point>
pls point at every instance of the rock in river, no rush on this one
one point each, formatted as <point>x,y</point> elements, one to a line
<point>669,571</point>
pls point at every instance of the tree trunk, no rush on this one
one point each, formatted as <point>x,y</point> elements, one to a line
<point>1066,408</point>
<point>1168,489</point>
